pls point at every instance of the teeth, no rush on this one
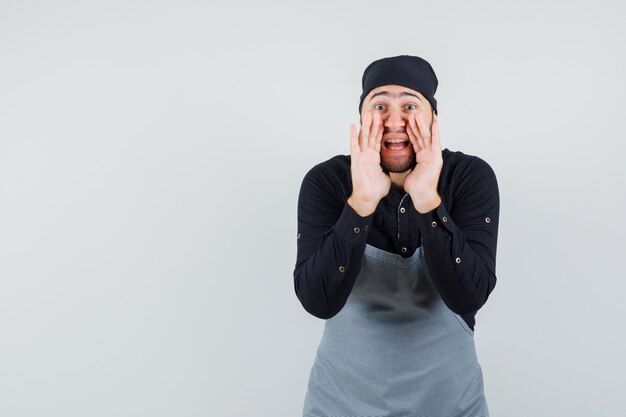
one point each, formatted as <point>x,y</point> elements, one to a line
<point>395,140</point>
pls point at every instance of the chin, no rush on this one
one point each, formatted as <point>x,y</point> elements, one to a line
<point>398,166</point>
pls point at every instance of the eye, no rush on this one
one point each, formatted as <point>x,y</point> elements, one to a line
<point>411,107</point>
<point>379,107</point>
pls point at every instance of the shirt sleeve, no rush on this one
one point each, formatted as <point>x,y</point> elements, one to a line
<point>330,245</point>
<point>460,245</point>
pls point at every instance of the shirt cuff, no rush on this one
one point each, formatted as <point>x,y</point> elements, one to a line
<point>435,224</point>
<point>352,226</point>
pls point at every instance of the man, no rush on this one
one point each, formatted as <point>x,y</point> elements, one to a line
<point>397,250</point>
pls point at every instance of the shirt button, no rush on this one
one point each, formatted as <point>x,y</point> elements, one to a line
<point>367,227</point>
<point>487,219</point>
<point>298,236</point>
<point>357,230</point>
<point>458,260</point>
<point>403,249</point>
<point>434,224</point>
<point>341,268</point>
<point>402,209</point>
<point>445,219</point>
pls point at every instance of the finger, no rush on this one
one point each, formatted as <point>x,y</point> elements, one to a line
<point>435,131</point>
<point>354,140</point>
<point>425,130</point>
<point>374,130</point>
<point>365,128</point>
<point>379,137</point>
<point>412,137</point>
<point>413,122</point>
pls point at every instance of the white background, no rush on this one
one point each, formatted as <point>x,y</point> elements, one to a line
<point>151,155</point>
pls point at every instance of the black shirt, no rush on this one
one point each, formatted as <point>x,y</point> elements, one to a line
<point>459,236</point>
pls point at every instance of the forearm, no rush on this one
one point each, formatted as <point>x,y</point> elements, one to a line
<point>327,267</point>
<point>462,269</point>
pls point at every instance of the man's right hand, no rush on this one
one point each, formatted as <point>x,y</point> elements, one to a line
<point>369,182</point>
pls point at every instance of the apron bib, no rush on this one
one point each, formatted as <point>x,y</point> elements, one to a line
<point>395,349</point>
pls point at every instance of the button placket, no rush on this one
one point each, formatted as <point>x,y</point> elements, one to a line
<point>402,221</point>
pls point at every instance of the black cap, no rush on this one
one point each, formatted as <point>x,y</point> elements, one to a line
<point>408,71</point>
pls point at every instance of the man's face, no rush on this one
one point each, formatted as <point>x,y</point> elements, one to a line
<point>395,103</point>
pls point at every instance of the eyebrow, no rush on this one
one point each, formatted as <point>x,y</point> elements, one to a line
<point>403,94</point>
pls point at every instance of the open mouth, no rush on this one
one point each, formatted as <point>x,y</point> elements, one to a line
<point>396,145</point>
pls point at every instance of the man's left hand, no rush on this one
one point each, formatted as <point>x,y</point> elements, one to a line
<point>421,182</point>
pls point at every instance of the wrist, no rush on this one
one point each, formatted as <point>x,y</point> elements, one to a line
<point>426,203</point>
<point>362,207</point>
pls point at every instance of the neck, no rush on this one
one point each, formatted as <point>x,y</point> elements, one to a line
<point>397,179</point>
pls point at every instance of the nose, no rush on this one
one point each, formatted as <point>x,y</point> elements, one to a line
<point>395,120</point>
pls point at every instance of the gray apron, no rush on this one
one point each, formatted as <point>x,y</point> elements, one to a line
<point>395,349</point>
